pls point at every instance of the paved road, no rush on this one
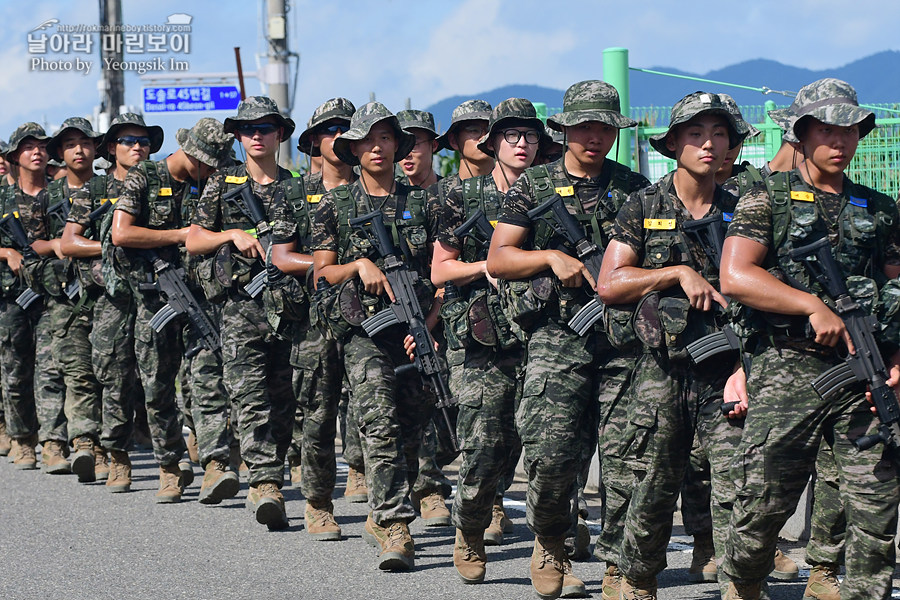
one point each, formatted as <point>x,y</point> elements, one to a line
<point>59,538</point>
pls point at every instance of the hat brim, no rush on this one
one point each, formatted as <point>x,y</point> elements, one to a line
<point>576,117</point>
<point>53,144</point>
<point>443,140</point>
<point>182,136</point>
<point>305,145</point>
<point>154,132</point>
<point>232,123</point>
<point>405,141</point>
<point>658,141</point>
<point>840,115</point>
<point>521,122</point>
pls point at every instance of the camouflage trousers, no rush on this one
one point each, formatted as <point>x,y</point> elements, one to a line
<point>210,408</point>
<point>616,477</point>
<point>556,418</point>
<point>350,443</point>
<point>390,413</point>
<point>184,384</point>
<point>318,372</point>
<point>112,355</point>
<point>489,391</point>
<point>17,333</point>
<point>256,371</point>
<point>784,429</point>
<point>49,386</point>
<point>663,408</point>
<point>72,351</point>
<point>159,355</point>
<point>828,522</point>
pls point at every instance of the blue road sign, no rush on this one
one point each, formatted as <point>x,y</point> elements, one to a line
<point>191,98</point>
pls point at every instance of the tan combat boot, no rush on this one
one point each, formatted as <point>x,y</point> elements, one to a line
<point>296,471</point>
<point>53,460</point>
<point>119,479</point>
<point>268,505</point>
<point>637,590</point>
<point>612,583</point>
<point>356,490</point>
<point>83,459</point>
<point>193,448</point>
<point>434,511</point>
<point>703,562</point>
<point>24,454</point>
<point>320,523</point>
<point>500,524</point>
<point>469,557</point>
<point>5,440</point>
<point>219,483</point>
<point>547,569</point>
<point>823,583</point>
<point>785,569</point>
<point>101,463</point>
<point>397,550</point>
<point>743,591</point>
<point>169,484</point>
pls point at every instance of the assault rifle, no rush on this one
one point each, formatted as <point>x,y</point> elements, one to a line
<point>866,364</point>
<point>244,200</point>
<point>556,215</point>
<point>476,227</point>
<point>58,213</point>
<point>179,301</point>
<point>406,309</point>
<point>11,225</point>
<point>709,232</point>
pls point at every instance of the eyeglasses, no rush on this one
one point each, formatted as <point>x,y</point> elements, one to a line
<point>131,140</point>
<point>251,128</point>
<point>513,136</point>
<point>334,129</point>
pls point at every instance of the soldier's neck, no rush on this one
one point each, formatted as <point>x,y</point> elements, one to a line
<point>120,172</point>
<point>32,182</point>
<point>832,183</point>
<point>76,179</point>
<point>696,191</point>
<point>429,179</point>
<point>504,176</point>
<point>263,171</point>
<point>381,184</point>
<point>579,169</point>
<point>471,168</point>
<point>335,175</point>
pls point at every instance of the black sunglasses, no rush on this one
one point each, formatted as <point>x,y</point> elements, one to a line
<point>131,140</point>
<point>263,129</point>
<point>333,129</point>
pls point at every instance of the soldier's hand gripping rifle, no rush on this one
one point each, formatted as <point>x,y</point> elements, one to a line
<point>867,363</point>
<point>179,301</point>
<point>244,200</point>
<point>407,310</point>
<point>11,225</point>
<point>477,228</point>
<point>58,214</point>
<point>554,213</point>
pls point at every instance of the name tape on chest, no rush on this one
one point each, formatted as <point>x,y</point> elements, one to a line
<point>802,196</point>
<point>665,224</point>
<point>235,179</point>
<point>314,198</point>
<point>165,191</point>
<point>566,191</point>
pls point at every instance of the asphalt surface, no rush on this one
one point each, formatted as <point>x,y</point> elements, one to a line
<point>60,538</point>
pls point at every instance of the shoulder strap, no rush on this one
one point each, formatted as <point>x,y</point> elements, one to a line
<point>778,187</point>
<point>346,210</point>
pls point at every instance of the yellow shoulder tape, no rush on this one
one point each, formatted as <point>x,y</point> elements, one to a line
<point>659,223</point>
<point>802,196</point>
<point>313,198</point>
<point>235,179</point>
<point>165,191</point>
<point>566,191</point>
<point>493,224</point>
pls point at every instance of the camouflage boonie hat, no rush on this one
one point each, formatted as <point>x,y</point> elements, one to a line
<point>334,109</point>
<point>784,118</point>
<point>207,142</point>
<point>470,110</point>
<point>512,111</point>
<point>56,163</point>
<point>743,127</point>
<point>79,123</point>
<point>416,119</point>
<point>363,119</point>
<point>591,100</point>
<point>154,132</point>
<point>4,148</point>
<point>691,106</point>
<point>258,107</point>
<point>833,102</point>
<point>26,130</point>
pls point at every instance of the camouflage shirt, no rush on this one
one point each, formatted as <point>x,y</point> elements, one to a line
<point>212,215</point>
<point>32,212</point>
<point>83,204</point>
<point>169,210</point>
<point>591,193</point>
<point>287,231</point>
<point>453,210</point>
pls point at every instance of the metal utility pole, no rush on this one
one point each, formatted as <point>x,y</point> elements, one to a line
<point>615,72</point>
<point>112,86</point>
<point>277,65</point>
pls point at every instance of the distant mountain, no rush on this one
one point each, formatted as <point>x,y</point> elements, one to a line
<point>871,76</point>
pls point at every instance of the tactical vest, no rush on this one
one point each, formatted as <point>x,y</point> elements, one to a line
<point>303,205</point>
<point>747,178</point>
<point>57,192</point>
<point>10,285</point>
<point>474,199</point>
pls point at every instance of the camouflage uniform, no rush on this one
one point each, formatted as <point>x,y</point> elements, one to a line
<point>112,323</point>
<point>256,368</point>
<point>788,420</point>
<point>486,379</point>
<point>390,411</point>
<point>157,201</point>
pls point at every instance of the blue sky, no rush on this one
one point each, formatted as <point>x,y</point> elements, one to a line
<point>429,50</point>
